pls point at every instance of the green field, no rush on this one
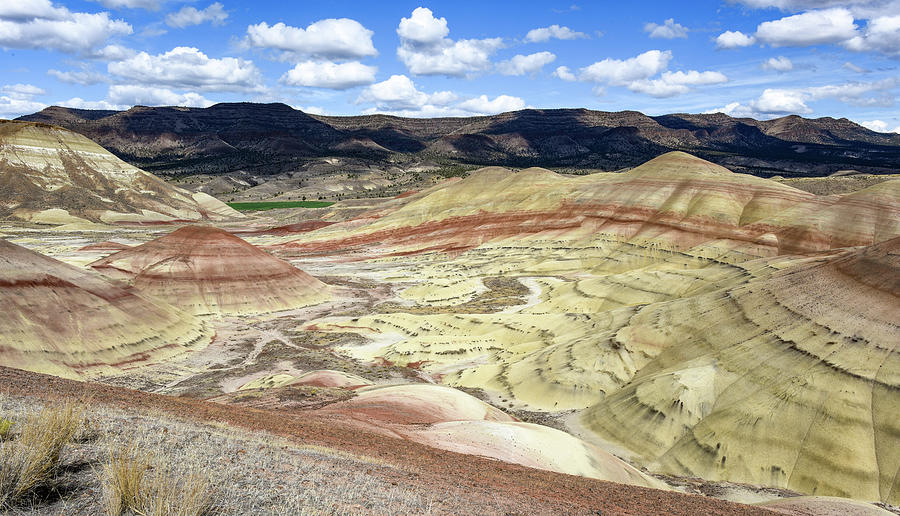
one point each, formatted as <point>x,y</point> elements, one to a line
<point>271,205</point>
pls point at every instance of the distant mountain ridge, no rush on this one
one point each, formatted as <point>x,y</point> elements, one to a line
<point>275,138</point>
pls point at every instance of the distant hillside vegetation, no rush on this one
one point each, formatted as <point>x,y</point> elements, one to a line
<point>270,139</point>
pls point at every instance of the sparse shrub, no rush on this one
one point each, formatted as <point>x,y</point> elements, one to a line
<point>30,457</point>
<point>5,428</point>
<point>123,478</point>
<point>132,482</point>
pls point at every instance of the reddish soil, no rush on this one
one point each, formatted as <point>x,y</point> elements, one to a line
<point>290,229</point>
<point>406,194</point>
<point>105,246</point>
<point>134,223</point>
<point>478,479</point>
<point>468,231</point>
<point>461,233</point>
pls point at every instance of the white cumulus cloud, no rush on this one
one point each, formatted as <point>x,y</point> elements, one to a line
<point>881,34</point>
<point>645,73</point>
<point>784,101</point>
<point>340,38</point>
<point>399,92</point>
<point>485,106</point>
<point>425,48</point>
<point>12,107</point>
<point>735,109</point>
<point>112,53</point>
<point>132,95</point>
<point>554,31</point>
<point>188,67</point>
<point>80,103</point>
<point>879,126</point>
<point>671,84</point>
<point>734,39</point>
<point>18,99</point>
<point>325,74</point>
<point>619,72</point>
<point>781,102</point>
<point>399,96</point>
<point>423,28</point>
<point>564,73</point>
<point>826,22</point>
<point>522,64</point>
<point>22,91</point>
<point>187,16</point>
<point>27,10</point>
<point>668,30</point>
<point>809,28</point>
<point>779,64</point>
<point>38,24</point>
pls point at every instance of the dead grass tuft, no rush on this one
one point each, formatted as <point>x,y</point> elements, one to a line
<point>30,453</point>
<point>133,482</point>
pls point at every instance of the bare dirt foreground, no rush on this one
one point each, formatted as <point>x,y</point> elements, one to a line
<point>460,484</point>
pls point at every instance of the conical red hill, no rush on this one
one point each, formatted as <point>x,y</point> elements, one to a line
<point>203,270</point>
<point>71,322</point>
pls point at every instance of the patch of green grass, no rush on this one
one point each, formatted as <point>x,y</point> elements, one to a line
<point>271,205</point>
<point>5,426</point>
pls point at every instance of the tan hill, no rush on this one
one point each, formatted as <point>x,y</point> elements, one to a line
<point>203,270</point>
<point>675,198</point>
<point>52,175</point>
<point>71,322</point>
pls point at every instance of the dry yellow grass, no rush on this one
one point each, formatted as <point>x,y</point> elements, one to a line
<point>30,457</point>
<point>132,481</point>
<point>254,473</point>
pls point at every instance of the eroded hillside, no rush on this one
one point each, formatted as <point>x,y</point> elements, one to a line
<point>678,320</point>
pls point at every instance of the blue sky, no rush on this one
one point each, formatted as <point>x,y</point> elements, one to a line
<point>759,58</point>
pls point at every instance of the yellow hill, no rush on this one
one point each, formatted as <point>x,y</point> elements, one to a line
<point>51,175</point>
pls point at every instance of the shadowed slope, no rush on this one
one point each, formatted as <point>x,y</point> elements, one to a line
<point>70,322</point>
<point>53,175</point>
<point>207,270</point>
<point>270,137</point>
